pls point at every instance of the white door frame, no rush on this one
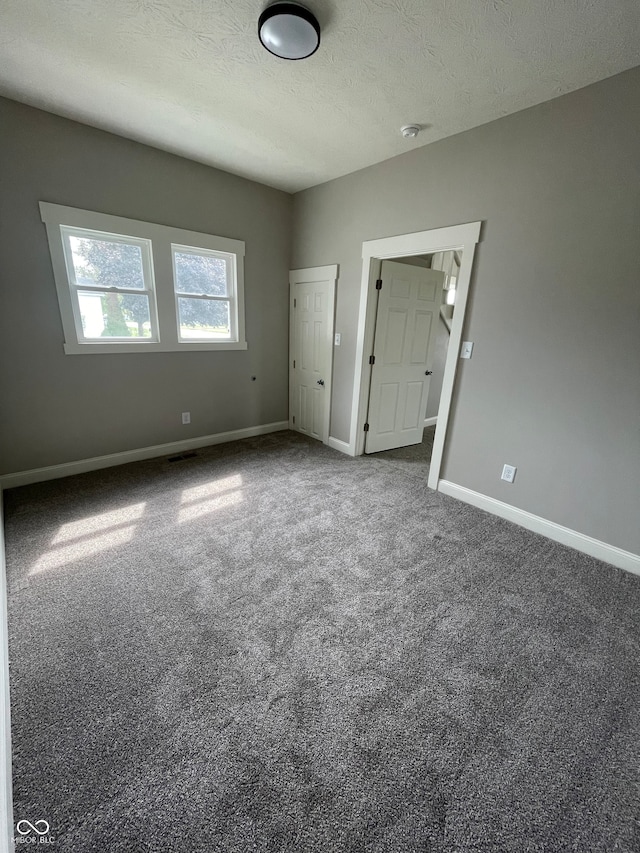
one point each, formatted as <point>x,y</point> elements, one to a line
<point>461,237</point>
<point>305,276</point>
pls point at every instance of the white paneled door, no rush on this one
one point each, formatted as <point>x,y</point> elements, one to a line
<point>406,328</point>
<point>311,350</point>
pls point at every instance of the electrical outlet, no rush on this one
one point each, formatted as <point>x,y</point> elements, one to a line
<point>186,417</point>
<point>509,473</point>
<point>338,338</point>
<point>467,349</point>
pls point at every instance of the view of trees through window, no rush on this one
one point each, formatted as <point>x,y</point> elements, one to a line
<point>107,263</point>
<point>111,263</point>
<point>204,276</point>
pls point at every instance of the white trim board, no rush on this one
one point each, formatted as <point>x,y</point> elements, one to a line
<point>66,469</point>
<point>579,541</point>
<point>6,801</point>
<point>342,446</point>
<point>430,421</point>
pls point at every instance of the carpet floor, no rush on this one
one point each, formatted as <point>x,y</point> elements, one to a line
<point>273,647</point>
<point>413,459</point>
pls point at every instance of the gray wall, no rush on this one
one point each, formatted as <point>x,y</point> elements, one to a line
<point>554,383</point>
<point>57,408</point>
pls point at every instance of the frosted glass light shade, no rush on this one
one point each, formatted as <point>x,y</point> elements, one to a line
<point>289,31</point>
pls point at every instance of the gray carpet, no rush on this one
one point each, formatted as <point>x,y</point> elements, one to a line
<point>273,647</point>
<point>413,459</point>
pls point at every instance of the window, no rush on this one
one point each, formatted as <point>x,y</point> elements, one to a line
<point>130,286</point>
<point>204,284</point>
<point>111,281</point>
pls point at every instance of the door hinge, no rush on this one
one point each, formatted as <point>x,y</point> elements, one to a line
<point>372,359</point>
<point>366,427</point>
<point>294,363</point>
<point>379,284</point>
<point>294,419</point>
<point>295,302</point>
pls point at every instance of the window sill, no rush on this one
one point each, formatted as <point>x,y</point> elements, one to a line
<point>201,346</point>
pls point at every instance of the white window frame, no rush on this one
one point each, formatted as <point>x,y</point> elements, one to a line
<point>231,275</point>
<point>162,239</point>
<point>66,232</point>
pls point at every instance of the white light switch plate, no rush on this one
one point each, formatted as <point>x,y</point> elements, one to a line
<point>338,338</point>
<point>467,349</point>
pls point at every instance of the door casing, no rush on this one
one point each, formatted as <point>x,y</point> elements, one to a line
<point>460,237</point>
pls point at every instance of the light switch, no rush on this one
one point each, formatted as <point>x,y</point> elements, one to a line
<point>467,349</point>
<point>338,339</point>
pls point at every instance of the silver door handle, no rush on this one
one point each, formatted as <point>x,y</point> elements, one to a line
<point>320,381</point>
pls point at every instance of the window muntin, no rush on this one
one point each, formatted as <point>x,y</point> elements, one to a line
<point>111,283</point>
<point>205,288</point>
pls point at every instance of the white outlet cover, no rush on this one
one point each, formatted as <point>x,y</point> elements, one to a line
<point>186,417</point>
<point>509,473</point>
<point>467,349</point>
<point>338,338</point>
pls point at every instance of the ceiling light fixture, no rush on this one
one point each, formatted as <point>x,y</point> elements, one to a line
<point>410,131</point>
<point>289,31</point>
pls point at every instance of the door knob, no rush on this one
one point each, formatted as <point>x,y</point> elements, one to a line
<point>320,381</point>
<point>428,372</point>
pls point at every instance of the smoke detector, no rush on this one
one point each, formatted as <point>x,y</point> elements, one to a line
<point>410,131</point>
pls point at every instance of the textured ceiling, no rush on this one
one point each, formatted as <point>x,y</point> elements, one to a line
<point>189,76</point>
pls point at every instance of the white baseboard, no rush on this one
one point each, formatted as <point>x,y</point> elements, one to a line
<point>342,446</point>
<point>53,472</point>
<point>6,800</point>
<point>430,421</point>
<point>594,547</point>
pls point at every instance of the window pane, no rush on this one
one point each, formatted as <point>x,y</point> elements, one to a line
<point>114,315</point>
<point>202,274</point>
<point>206,319</point>
<point>107,263</point>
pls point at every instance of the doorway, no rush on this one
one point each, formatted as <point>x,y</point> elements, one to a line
<point>410,294</point>
<point>408,404</point>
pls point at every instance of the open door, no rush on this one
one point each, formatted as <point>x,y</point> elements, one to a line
<point>409,303</point>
